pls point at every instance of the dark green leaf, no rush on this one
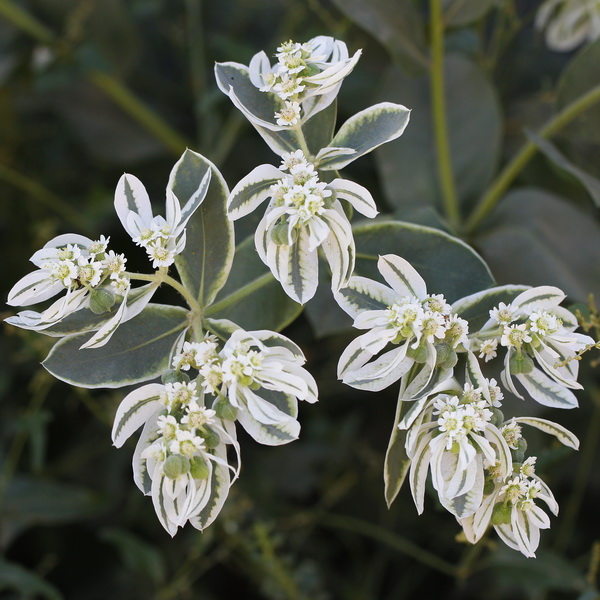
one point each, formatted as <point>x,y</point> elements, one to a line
<point>205,262</point>
<point>318,130</point>
<point>408,165</point>
<point>396,24</point>
<point>138,351</point>
<point>537,238</point>
<point>252,298</point>
<point>448,265</point>
<point>27,584</point>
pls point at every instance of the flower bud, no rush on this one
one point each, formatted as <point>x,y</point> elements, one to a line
<point>174,376</point>
<point>501,514</point>
<point>198,468</point>
<point>520,362</point>
<point>101,300</point>
<point>225,410</point>
<point>176,465</point>
<point>211,437</point>
<point>446,357</point>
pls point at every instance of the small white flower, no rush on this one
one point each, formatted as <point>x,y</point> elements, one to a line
<point>289,115</point>
<point>514,336</point>
<point>99,246</point>
<point>511,432</point>
<point>114,264</point>
<point>487,349</point>
<point>543,323</point>
<point>502,314</point>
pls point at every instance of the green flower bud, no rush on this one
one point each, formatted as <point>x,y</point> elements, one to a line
<point>488,486</point>
<point>176,465</point>
<point>521,363</point>
<point>101,300</point>
<point>211,437</point>
<point>198,468</point>
<point>501,514</point>
<point>225,410</point>
<point>518,455</point>
<point>417,354</point>
<point>174,376</point>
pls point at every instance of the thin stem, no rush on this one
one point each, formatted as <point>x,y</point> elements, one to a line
<point>23,20</point>
<point>520,161</point>
<point>117,92</point>
<point>391,539</point>
<point>302,140</point>
<point>161,277</point>
<point>438,107</point>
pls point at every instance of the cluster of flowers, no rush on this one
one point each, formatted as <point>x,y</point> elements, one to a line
<point>303,214</point>
<point>535,330</point>
<point>256,378</point>
<point>302,71</point>
<point>568,23</point>
<point>91,275</point>
<point>458,433</point>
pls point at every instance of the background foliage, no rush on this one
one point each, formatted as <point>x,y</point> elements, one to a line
<point>92,88</point>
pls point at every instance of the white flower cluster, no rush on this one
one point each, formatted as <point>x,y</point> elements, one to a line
<point>255,378</point>
<point>421,325</point>
<point>302,71</point>
<point>303,214</point>
<point>541,343</point>
<point>90,274</point>
<point>180,459</point>
<point>477,460</point>
<point>568,23</point>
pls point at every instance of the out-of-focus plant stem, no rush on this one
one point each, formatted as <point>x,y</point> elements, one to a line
<point>113,88</point>
<point>520,161</point>
<point>438,107</point>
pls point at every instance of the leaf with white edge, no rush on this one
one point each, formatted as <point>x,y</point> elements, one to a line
<point>562,434</point>
<point>131,196</point>
<point>362,294</point>
<point>544,297</point>
<point>138,351</point>
<point>591,183</point>
<point>327,155</point>
<point>141,477</point>
<point>219,490</point>
<point>367,130</point>
<point>35,287</point>
<point>206,260</point>
<point>447,265</point>
<point>251,297</point>
<point>475,377</point>
<point>546,391</point>
<point>222,328</point>
<point>135,409</point>
<point>466,504</point>
<point>300,269</point>
<point>357,195</point>
<point>418,472</point>
<point>252,190</point>
<point>396,463</point>
<point>103,335</point>
<point>401,276</point>
<point>476,307</point>
<point>494,436</point>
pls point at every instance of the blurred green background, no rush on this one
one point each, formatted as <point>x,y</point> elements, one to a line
<point>90,89</point>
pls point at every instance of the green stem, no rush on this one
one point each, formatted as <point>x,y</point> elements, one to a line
<point>161,277</point>
<point>438,107</point>
<point>23,20</point>
<point>240,293</point>
<point>302,140</point>
<point>520,161</point>
<point>391,539</point>
<point>117,92</point>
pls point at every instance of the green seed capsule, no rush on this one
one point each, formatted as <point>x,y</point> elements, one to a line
<point>501,514</point>
<point>174,376</point>
<point>419,354</point>
<point>446,357</point>
<point>225,410</point>
<point>101,301</point>
<point>211,438</point>
<point>498,417</point>
<point>198,468</point>
<point>280,233</point>
<point>521,363</point>
<point>176,465</point>
<point>488,486</point>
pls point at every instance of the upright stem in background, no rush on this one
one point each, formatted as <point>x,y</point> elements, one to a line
<point>501,184</point>
<point>438,106</point>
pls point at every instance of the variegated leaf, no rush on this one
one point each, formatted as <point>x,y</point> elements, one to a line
<point>546,391</point>
<point>357,195</point>
<point>362,294</point>
<point>562,434</point>
<point>252,190</point>
<point>402,276</point>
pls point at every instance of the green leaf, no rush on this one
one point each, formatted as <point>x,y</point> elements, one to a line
<point>475,308</point>
<point>537,238</point>
<point>206,260</point>
<point>463,12</point>
<point>591,184</point>
<point>367,130</point>
<point>252,298</point>
<point>396,24</point>
<point>318,130</point>
<point>447,264</point>
<point>138,351</point>
<point>582,135</point>
<point>26,583</point>
<point>408,167</point>
<point>397,463</point>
